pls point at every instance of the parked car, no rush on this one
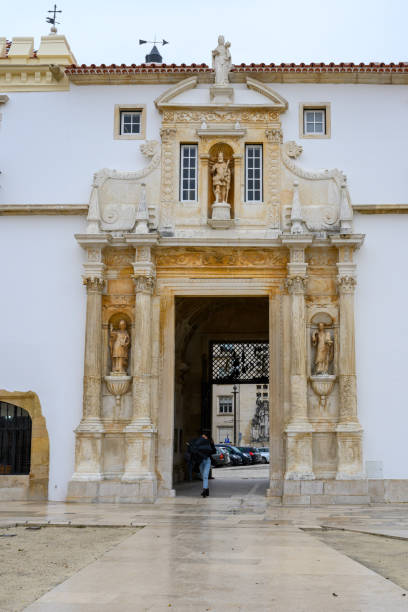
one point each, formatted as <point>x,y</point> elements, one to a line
<point>220,459</point>
<point>236,459</point>
<point>254,455</point>
<point>264,451</point>
<point>246,457</point>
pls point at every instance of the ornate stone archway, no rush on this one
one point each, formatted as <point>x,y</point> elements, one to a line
<point>34,486</point>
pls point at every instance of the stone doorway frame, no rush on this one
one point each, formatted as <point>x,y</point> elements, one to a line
<point>167,292</point>
<point>40,444</point>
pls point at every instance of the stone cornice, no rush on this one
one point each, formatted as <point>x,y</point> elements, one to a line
<point>93,240</point>
<point>82,209</point>
<point>43,209</point>
<point>381,209</point>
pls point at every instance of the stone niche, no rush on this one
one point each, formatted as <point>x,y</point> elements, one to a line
<point>228,155</point>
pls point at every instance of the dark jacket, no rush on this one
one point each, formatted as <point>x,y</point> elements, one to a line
<point>201,448</point>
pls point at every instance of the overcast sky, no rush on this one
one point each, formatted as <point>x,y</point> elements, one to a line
<point>108,31</point>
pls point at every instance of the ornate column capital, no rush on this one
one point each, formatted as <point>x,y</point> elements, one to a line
<point>274,135</point>
<point>167,133</point>
<point>346,284</point>
<point>144,284</point>
<point>296,285</point>
<point>94,284</point>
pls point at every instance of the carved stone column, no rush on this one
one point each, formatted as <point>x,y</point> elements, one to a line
<point>349,430</point>
<point>141,433</point>
<point>239,187</point>
<point>169,188</point>
<point>272,174</point>
<point>203,184</point>
<point>299,460</point>
<point>89,433</point>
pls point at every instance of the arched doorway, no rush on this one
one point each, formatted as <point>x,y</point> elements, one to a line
<point>24,447</point>
<point>221,349</point>
<point>15,439</point>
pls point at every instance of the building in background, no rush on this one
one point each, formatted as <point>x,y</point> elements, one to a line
<point>252,420</point>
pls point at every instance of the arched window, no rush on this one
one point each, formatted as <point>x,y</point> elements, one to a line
<point>15,439</point>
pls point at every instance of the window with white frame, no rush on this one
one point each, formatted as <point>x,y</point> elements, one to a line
<point>225,404</point>
<point>253,173</point>
<point>130,122</point>
<point>188,172</point>
<point>314,121</point>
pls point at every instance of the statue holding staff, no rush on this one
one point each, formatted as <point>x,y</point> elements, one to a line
<point>119,342</point>
<point>221,174</point>
<point>324,344</point>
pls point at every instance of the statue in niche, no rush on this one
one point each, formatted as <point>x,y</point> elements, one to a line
<point>324,344</point>
<point>119,343</point>
<point>221,61</point>
<point>221,178</point>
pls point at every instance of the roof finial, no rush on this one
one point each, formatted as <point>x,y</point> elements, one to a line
<point>154,56</point>
<point>53,20</point>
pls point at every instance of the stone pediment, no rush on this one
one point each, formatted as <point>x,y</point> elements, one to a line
<point>189,93</point>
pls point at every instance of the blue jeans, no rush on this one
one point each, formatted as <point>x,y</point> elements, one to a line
<point>205,467</point>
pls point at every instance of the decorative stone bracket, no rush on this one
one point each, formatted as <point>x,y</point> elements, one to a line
<point>118,385</point>
<point>323,386</point>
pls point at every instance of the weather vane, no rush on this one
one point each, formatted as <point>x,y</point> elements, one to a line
<point>53,20</point>
<point>154,42</point>
<point>154,56</point>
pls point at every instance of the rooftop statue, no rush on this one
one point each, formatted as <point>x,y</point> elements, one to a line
<point>221,61</point>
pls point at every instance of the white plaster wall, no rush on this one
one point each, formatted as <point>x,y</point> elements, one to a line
<point>368,135</point>
<point>382,340</point>
<point>42,314</point>
<point>61,138</point>
<point>51,143</point>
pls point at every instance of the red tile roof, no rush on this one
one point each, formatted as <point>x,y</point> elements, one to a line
<point>377,67</point>
<point>313,67</point>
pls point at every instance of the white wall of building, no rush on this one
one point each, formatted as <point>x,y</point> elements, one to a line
<point>61,138</point>
<point>368,135</point>
<point>42,314</point>
<point>381,340</point>
<point>53,142</point>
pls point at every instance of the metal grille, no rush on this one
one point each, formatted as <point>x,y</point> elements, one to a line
<point>15,439</point>
<point>239,362</point>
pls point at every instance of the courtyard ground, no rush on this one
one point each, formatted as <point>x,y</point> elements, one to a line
<point>35,559</point>
<point>230,552</point>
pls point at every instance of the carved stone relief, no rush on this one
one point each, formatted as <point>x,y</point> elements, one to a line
<point>217,116</point>
<point>168,257</point>
<point>168,177</point>
<point>116,195</point>
<point>118,258</point>
<point>323,193</point>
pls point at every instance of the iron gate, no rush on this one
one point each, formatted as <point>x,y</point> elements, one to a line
<point>15,439</point>
<point>239,362</point>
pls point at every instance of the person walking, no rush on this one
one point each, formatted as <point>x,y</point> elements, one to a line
<point>201,449</point>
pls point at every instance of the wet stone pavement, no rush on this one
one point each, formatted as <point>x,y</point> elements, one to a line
<point>231,551</point>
